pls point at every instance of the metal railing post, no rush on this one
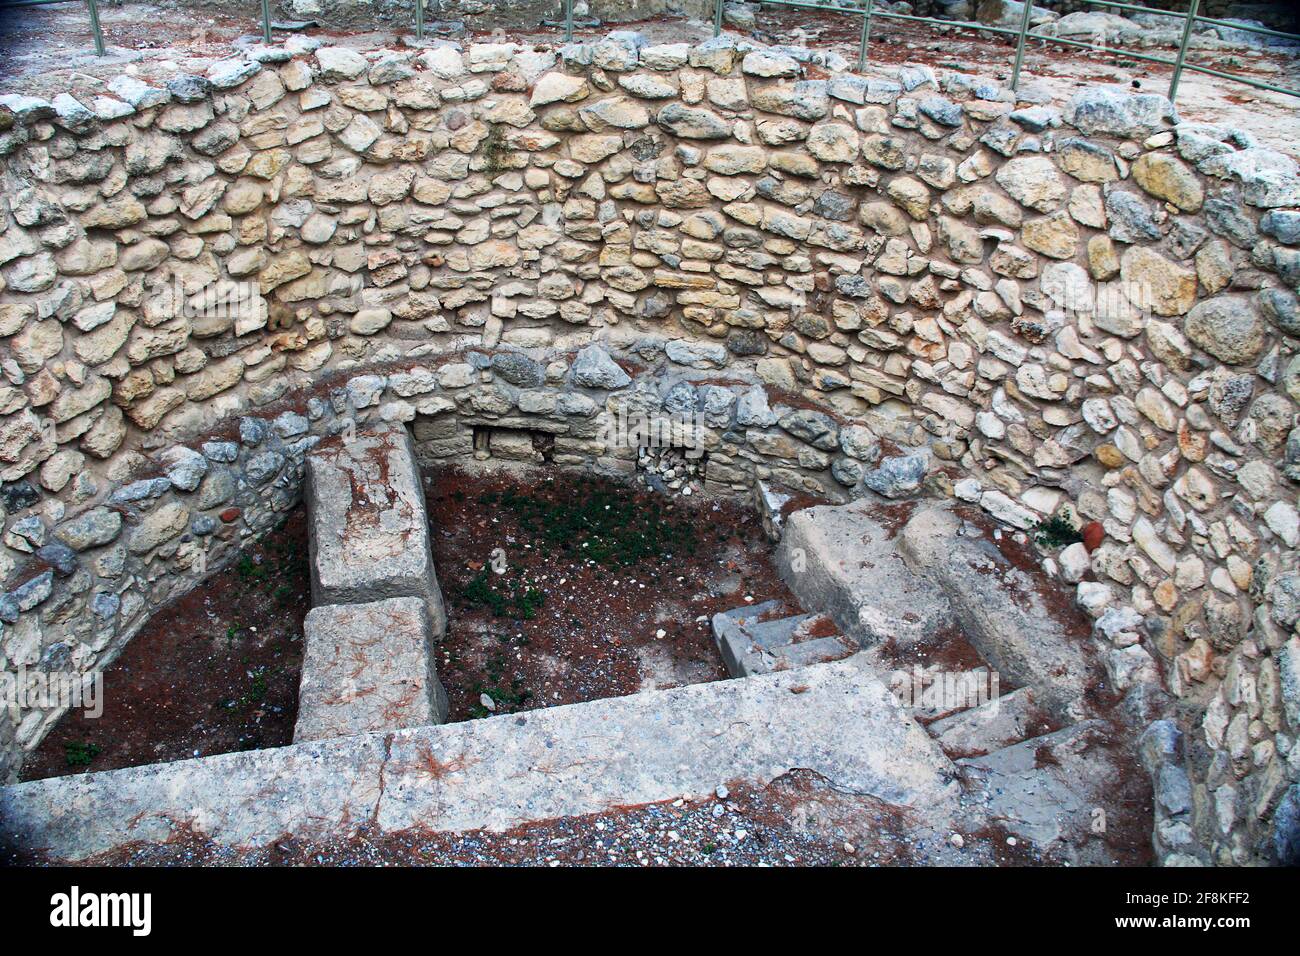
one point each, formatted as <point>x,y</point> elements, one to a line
<point>419,20</point>
<point>866,35</point>
<point>568,21</point>
<point>717,18</point>
<point>1182,49</point>
<point>95,28</point>
<point>1020,45</point>
<point>266,21</point>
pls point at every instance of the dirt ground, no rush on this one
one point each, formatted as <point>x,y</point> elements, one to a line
<point>214,671</point>
<point>48,49</point>
<point>606,590</point>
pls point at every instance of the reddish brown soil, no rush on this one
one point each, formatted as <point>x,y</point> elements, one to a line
<point>594,633</point>
<point>1058,600</point>
<point>214,671</point>
<point>949,650</point>
<point>894,516</point>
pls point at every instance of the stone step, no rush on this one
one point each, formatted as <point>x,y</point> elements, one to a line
<point>757,640</point>
<point>844,560</point>
<point>1044,789</point>
<point>993,725</point>
<point>367,525</point>
<point>1005,611</point>
<point>836,720</point>
<point>957,691</point>
<point>368,667</point>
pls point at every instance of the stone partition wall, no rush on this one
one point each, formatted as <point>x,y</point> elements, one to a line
<point>920,285</point>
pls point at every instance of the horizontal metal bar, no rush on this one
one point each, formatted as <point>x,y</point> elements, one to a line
<point>1265,31</point>
<point>857,12</point>
<point>1121,52</point>
<point>1118,51</point>
<point>1199,19</point>
<point>1137,9</point>
<point>829,8</point>
<point>960,24</point>
<point>1258,84</point>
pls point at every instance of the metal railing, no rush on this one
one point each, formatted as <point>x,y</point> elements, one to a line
<point>867,12</point>
<point>1023,34</point>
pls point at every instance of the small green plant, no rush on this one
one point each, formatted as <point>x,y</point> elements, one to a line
<point>258,685</point>
<point>250,571</point>
<point>1056,532</point>
<point>516,599</point>
<point>80,754</point>
<point>609,525</point>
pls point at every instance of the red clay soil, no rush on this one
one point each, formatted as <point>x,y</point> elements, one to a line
<point>949,649</point>
<point>214,671</point>
<point>590,630</point>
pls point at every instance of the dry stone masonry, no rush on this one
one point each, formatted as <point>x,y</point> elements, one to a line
<point>924,285</point>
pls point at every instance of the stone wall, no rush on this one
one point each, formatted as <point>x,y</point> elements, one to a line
<point>921,285</point>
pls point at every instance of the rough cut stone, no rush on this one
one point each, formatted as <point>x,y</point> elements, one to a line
<point>368,529</point>
<point>836,720</point>
<point>368,667</point>
<point>1228,328</point>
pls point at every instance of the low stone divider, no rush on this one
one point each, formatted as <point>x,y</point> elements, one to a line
<point>368,663</point>
<point>837,720</point>
<point>368,667</point>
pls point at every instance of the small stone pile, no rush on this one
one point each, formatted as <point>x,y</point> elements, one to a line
<point>670,470</point>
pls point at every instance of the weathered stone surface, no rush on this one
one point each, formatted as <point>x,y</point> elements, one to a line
<point>843,560</point>
<point>844,725</point>
<point>1021,639</point>
<point>1158,284</point>
<point>340,63</point>
<point>96,527</point>
<point>1228,328</point>
<point>1032,181</point>
<point>693,123</point>
<point>1167,178</point>
<point>368,667</point>
<point>593,368</point>
<point>368,530</point>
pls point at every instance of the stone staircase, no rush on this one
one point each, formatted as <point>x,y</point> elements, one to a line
<point>889,577</point>
<point>765,638</point>
<point>820,694</point>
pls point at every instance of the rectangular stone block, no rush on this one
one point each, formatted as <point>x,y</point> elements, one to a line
<point>368,667</point>
<point>368,528</point>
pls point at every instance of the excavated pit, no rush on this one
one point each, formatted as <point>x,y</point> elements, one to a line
<point>217,670</point>
<point>960,392</point>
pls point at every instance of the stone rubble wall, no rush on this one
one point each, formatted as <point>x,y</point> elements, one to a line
<point>928,284</point>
